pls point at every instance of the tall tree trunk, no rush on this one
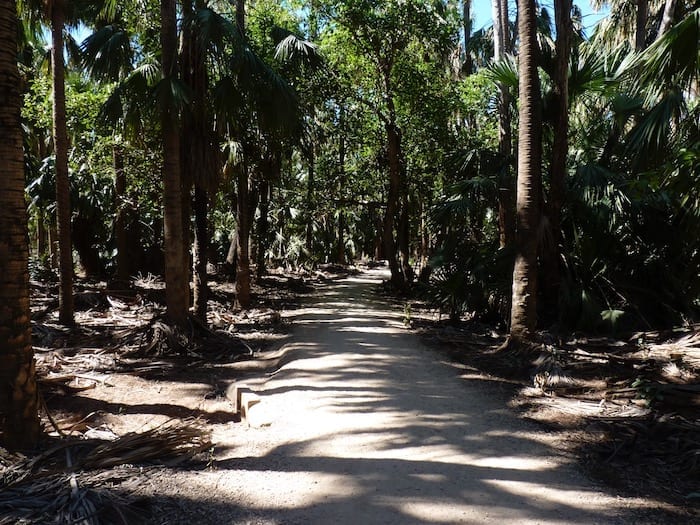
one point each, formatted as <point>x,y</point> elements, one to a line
<point>667,19</point>
<point>122,240</point>
<point>424,234</point>
<point>240,16</point>
<point>551,252</point>
<point>467,27</point>
<point>243,236</point>
<point>641,27</point>
<point>404,239</point>
<point>243,207</point>
<point>176,285</point>
<point>342,258</point>
<point>310,201</point>
<point>263,225</point>
<point>41,235</point>
<point>19,420</point>
<point>53,244</point>
<point>506,207</point>
<point>392,203</point>
<point>60,140</point>
<point>199,159</point>
<point>201,252</point>
<point>341,187</point>
<point>524,302</point>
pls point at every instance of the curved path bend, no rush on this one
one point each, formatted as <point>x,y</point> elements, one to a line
<point>366,426</point>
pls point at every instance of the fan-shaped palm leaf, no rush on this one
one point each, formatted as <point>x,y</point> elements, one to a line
<point>293,49</point>
<point>672,59</point>
<point>107,54</point>
<point>505,72</point>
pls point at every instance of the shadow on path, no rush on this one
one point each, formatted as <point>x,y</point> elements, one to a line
<point>369,427</point>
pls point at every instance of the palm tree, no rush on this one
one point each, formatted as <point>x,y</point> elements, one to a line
<point>501,47</point>
<point>523,307</point>
<point>107,55</point>
<point>199,151</point>
<point>551,251</point>
<point>265,115</point>
<point>19,421</point>
<point>176,286</point>
<point>55,12</point>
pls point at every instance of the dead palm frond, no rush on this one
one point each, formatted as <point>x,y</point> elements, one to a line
<point>74,481</point>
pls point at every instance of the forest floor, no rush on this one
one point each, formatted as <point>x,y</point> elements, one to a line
<point>359,419</point>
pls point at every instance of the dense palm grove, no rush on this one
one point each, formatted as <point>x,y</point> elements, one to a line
<point>528,175</point>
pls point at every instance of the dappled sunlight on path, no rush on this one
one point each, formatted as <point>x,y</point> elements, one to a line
<point>366,426</point>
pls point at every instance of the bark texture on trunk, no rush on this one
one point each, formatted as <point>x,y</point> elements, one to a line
<point>640,36</point>
<point>310,205</point>
<point>243,217</point>
<point>263,226</point>
<point>200,159</point>
<point>404,238</point>
<point>506,206</point>
<point>60,140</point>
<point>467,27</point>
<point>551,251</point>
<point>19,421</point>
<point>524,301</point>
<point>120,217</point>
<point>176,285</point>
<point>201,253</point>
<point>340,241</point>
<point>667,19</point>
<point>392,203</point>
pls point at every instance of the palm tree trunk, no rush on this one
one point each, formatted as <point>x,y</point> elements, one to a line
<point>41,235</point>
<point>467,26</point>
<point>263,224</point>
<point>506,207</point>
<point>240,16</point>
<point>341,187</point>
<point>310,202</point>
<point>404,234</point>
<point>60,140</point>
<point>551,252</point>
<point>199,161</point>
<point>120,233</point>
<point>176,285</point>
<point>524,304</point>
<point>201,253</point>
<point>19,421</point>
<point>53,244</point>
<point>667,20</point>
<point>641,28</point>
<point>392,203</point>
<point>243,237</point>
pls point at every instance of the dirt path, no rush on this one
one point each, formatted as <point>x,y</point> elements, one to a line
<point>366,426</point>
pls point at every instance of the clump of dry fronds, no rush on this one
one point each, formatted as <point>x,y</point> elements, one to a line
<point>86,481</point>
<point>654,450</point>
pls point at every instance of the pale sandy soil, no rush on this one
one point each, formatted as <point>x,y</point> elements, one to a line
<point>361,424</point>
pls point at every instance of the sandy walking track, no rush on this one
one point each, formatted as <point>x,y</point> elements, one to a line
<point>369,427</point>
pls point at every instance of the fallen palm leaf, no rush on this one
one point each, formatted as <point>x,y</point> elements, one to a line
<point>66,483</point>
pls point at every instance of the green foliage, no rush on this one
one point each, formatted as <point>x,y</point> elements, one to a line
<point>630,248</point>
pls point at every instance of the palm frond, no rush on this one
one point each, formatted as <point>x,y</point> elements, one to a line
<point>504,72</point>
<point>293,49</point>
<point>171,95</point>
<point>213,32</point>
<point>672,59</point>
<point>107,53</point>
<point>654,129</point>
